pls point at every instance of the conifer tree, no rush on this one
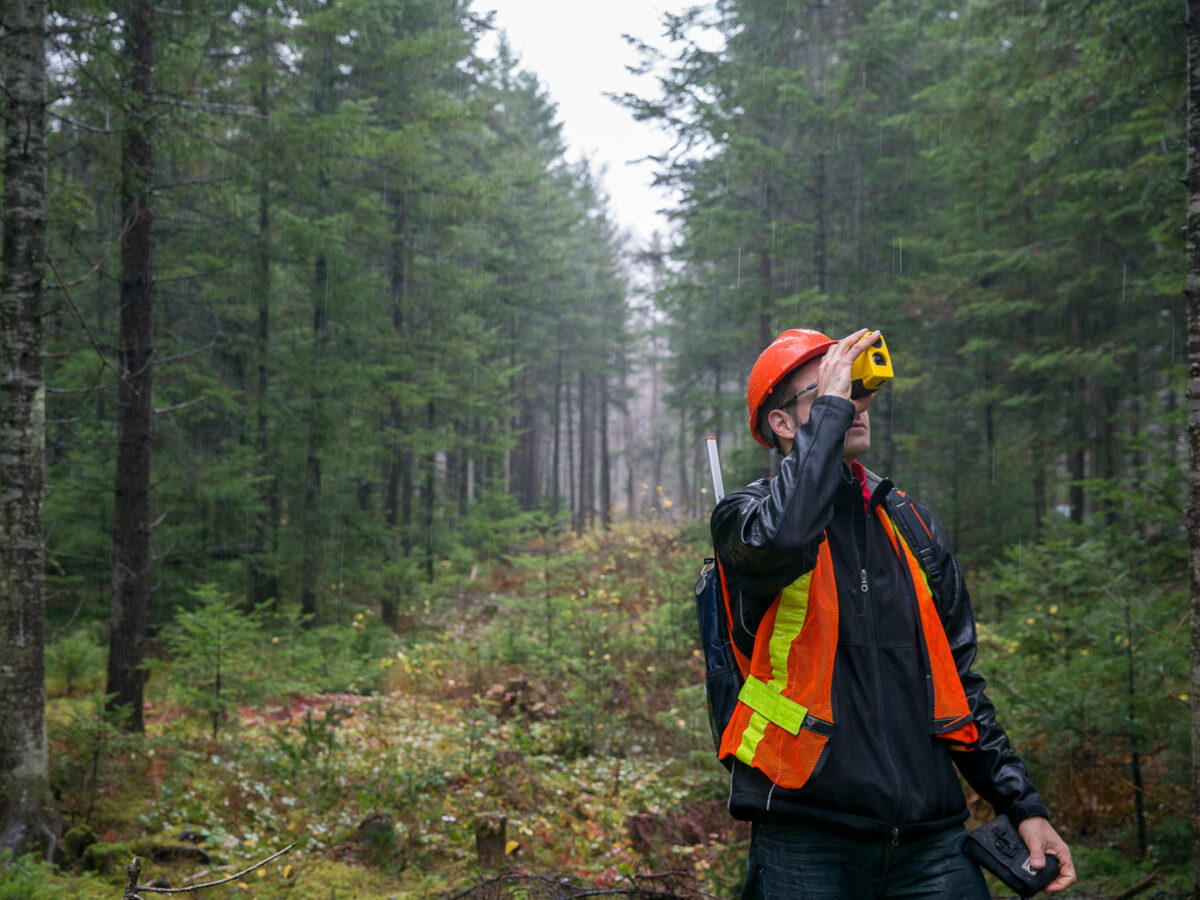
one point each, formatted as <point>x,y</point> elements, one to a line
<point>132,521</point>
<point>25,805</point>
<point>1192,289</point>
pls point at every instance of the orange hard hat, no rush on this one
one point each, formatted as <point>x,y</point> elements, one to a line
<point>792,348</point>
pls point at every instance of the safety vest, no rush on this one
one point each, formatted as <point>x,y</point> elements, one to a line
<point>784,715</point>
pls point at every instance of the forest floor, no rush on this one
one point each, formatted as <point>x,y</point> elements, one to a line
<point>558,693</point>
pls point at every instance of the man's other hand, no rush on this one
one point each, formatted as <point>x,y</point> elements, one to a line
<point>1041,838</point>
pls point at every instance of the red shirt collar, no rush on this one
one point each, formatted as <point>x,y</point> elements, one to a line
<point>860,475</point>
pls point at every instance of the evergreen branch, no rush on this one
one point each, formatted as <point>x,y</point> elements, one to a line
<point>89,24</point>
<point>1151,795</point>
<point>224,109</point>
<point>176,407</point>
<point>82,126</point>
<point>178,356</point>
<point>78,315</point>
<point>82,278</point>
<point>94,389</point>
<point>1149,629</point>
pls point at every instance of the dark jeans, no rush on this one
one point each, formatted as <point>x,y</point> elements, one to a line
<point>813,862</point>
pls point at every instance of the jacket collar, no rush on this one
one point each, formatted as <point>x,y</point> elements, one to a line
<point>875,487</point>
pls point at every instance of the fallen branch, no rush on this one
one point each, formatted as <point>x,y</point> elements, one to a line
<point>135,870</point>
<point>1144,885</point>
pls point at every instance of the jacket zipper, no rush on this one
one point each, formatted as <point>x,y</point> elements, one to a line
<point>863,550</point>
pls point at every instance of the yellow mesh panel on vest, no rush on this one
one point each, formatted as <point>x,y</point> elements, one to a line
<point>796,662</point>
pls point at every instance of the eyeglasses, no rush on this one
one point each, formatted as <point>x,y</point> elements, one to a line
<point>796,396</point>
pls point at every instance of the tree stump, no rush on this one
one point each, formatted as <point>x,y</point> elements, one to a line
<point>490,839</point>
<point>132,873</point>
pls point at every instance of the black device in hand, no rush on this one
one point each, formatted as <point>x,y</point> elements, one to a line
<point>997,846</point>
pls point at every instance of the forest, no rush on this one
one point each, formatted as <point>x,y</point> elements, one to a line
<point>352,474</point>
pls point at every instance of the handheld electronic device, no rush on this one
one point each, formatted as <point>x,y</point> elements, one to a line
<point>997,846</point>
<point>872,370</point>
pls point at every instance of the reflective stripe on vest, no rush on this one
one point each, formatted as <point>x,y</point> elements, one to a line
<point>784,716</point>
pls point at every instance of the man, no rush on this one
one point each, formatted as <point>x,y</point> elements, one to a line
<point>860,698</point>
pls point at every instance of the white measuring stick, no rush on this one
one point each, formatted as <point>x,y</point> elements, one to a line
<point>714,467</point>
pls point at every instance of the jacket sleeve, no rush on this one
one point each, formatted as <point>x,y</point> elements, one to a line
<point>767,534</point>
<point>993,768</point>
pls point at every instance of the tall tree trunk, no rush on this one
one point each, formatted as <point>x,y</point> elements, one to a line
<point>685,490</point>
<point>819,227</point>
<point>311,522</point>
<point>1077,467</point>
<point>1077,458</point>
<point>586,444</point>
<point>556,454</point>
<point>407,464</point>
<point>1107,453</point>
<point>526,477</point>
<point>627,422</point>
<point>311,541</point>
<point>820,238</point>
<point>264,584</point>
<point>572,497</point>
<point>397,457</point>
<point>388,612</point>
<point>605,466</point>
<point>131,511</point>
<point>1192,292</point>
<point>1039,492</point>
<point>24,760</point>
<point>1134,735</point>
<point>430,498</point>
<point>658,441</point>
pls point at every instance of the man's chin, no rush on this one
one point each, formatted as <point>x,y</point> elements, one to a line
<point>855,447</point>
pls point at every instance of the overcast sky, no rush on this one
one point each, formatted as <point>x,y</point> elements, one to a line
<point>576,50</point>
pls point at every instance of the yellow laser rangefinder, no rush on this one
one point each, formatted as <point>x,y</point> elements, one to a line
<point>872,370</point>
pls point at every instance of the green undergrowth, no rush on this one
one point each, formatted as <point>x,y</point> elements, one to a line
<point>548,689</point>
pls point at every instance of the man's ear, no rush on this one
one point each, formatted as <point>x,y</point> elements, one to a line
<point>782,424</point>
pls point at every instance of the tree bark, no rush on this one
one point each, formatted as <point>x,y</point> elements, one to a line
<point>627,420</point>
<point>605,465</point>
<point>820,276</point>
<point>397,466</point>
<point>430,497</point>
<point>572,497</point>
<point>1192,293</point>
<point>24,761</point>
<point>311,541</point>
<point>586,460</point>
<point>131,513</point>
<point>685,490</point>
<point>264,582</point>
<point>556,454</point>
<point>490,841</point>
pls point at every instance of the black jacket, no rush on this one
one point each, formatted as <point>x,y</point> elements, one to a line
<point>883,772</point>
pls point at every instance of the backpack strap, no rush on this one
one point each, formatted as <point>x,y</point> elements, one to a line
<point>916,533</point>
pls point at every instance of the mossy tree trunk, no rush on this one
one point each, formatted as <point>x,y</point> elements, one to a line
<point>24,777</point>
<point>1192,291</point>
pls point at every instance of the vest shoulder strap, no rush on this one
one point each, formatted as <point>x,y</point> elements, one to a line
<point>916,532</point>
